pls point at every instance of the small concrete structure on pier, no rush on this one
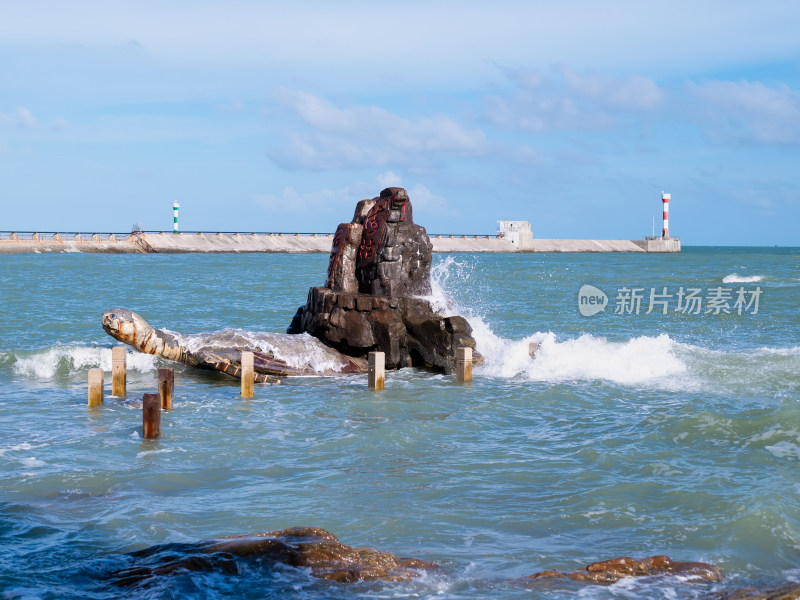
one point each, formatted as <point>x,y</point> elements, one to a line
<point>657,244</point>
<point>518,233</point>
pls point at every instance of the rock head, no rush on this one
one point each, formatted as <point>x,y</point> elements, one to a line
<point>304,547</point>
<point>374,294</point>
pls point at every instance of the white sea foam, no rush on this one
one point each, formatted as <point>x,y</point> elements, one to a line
<point>144,453</point>
<point>736,278</point>
<point>296,350</point>
<point>63,360</point>
<point>795,351</point>
<point>653,361</point>
<point>638,360</point>
<point>440,276</point>
<point>784,450</point>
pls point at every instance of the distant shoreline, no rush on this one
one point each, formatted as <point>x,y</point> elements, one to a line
<point>290,243</point>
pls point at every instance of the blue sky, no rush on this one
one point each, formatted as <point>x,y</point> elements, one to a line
<point>259,116</point>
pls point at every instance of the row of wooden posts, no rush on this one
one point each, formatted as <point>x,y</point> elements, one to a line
<point>153,404</point>
<point>376,374</point>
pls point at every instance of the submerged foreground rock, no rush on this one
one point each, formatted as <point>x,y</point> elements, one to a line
<point>610,571</point>
<point>326,557</point>
<point>306,547</point>
<point>374,293</point>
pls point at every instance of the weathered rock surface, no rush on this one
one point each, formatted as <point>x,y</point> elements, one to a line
<point>326,557</point>
<point>379,267</point>
<point>610,571</point>
<point>406,329</point>
<point>308,547</point>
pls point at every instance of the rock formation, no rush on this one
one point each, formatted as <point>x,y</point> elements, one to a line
<point>306,547</point>
<point>326,557</point>
<point>609,571</point>
<point>373,297</point>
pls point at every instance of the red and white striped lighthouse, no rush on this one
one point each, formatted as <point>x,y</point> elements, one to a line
<point>665,230</point>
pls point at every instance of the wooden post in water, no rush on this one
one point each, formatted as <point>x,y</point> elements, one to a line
<point>119,371</point>
<point>166,387</point>
<point>247,374</point>
<point>96,381</point>
<point>376,377</point>
<point>151,416</point>
<point>464,364</point>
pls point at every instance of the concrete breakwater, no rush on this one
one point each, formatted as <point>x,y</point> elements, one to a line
<point>292,243</point>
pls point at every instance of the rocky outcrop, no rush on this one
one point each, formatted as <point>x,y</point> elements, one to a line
<point>306,547</point>
<point>373,297</point>
<point>406,329</point>
<point>326,557</point>
<point>610,571</point>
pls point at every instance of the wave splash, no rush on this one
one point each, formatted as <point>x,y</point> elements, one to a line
<point>652,361</point>
<point>587,357</point>
<point>296,350</point>
<point>64,360</point>
<point>736,278</point>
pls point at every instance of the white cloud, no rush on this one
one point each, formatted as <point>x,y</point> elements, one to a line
<point>750,111</point>
<point>336,202</point>
<point>565,100</point>
<point>22,118</point>
<point>767,198</point>
<point>426,202</point>
<point>367,136</point>
<point>340,203</point>
<point>25,118</point>
<point>633,92</point>
<point>389,179</point>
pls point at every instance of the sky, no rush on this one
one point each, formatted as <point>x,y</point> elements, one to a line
<point>270,117</point>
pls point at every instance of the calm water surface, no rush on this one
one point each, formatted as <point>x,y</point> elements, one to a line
<point>629,434</point>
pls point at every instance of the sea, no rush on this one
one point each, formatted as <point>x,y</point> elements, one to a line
<point>659,414</point>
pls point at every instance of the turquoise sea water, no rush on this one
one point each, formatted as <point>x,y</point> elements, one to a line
<point>628,434</point>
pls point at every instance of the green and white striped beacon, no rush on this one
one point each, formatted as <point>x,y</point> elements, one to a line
<point>175,207</point>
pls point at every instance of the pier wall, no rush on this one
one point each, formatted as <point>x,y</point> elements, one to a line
<point>293,243</point>
<point>538,245</point>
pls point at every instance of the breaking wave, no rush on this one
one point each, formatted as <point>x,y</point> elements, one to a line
<point>736,278</point>
<point>62,361</point>
<point>635,361</point>
<point>298,350</point>
<point>650,361</point>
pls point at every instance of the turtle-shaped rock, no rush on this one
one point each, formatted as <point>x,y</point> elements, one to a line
<point>274,355</point>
